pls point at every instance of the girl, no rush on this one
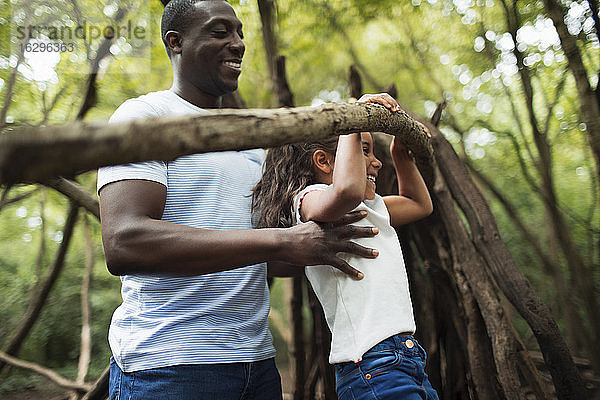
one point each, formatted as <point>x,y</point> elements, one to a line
<point>371,319</point>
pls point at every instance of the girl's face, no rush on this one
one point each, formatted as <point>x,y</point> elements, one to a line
<point>372,164</point>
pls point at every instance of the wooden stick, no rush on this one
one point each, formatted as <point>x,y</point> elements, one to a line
<point>36,154</point>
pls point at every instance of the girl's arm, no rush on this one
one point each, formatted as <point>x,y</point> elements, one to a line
<point>412,202</point>
<point>348,182</point>
<point>349,175</point>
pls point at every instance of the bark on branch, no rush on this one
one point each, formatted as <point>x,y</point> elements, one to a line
<point>99,390</point>
<point>76,194</point>
<point>36,154</point>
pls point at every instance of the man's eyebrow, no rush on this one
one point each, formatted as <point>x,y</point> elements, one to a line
<point>227,21</point>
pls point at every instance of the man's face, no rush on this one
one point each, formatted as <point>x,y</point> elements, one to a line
<point>212,48</point>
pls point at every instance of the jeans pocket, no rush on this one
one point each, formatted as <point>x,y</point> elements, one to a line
<point>376,363</point>
<point>345,373</point>
<point>345,393</point>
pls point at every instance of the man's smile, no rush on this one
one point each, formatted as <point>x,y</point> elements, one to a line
<point>235,65</point>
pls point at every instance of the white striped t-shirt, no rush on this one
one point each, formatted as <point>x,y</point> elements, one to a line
<point>213,318</point>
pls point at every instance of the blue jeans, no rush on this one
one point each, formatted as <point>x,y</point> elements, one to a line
<point>248,381</point>
<point>392,369</point>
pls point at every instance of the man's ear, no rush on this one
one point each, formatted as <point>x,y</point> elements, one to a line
<point>323,161</point>
<point>174,39</point>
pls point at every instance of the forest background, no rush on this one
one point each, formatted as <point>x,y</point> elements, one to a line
<point>469,54</point>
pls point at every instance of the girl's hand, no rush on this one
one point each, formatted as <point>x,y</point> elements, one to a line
<point>397,149</point>
<point>381,98</point>
<point>425,129</point>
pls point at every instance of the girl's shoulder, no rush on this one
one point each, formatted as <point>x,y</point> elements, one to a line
<point>297,203</point>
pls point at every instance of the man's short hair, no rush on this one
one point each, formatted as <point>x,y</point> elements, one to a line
<point>176,17</point>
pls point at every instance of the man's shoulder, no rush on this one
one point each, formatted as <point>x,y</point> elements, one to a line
<point>158,99</point>
<point>153,104</point>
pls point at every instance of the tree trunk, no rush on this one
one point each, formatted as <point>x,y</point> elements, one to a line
<point>513,283</point>
<point>298,353</point>
<point>588,101</point>
<point>580,273</point>
<point>551,264</point>
<point>85,351</point>
<point>322,346</point>
<point>267,17</point>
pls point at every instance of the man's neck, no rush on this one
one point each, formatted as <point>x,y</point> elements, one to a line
<point>195,96</point>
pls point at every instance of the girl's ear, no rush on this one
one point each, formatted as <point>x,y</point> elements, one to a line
<point>323,162</point>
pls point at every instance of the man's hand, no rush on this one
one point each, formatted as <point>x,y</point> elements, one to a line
<point>314,243</point>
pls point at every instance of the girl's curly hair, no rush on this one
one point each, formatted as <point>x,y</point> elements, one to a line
<point>287,170</point>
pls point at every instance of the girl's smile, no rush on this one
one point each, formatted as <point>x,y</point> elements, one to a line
<point>372,164</point>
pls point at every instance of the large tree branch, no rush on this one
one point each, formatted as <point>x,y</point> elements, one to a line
<point>589,102</point>
<point>37,154</point>
<point>548,264</point>
<point>76,194</point>
<point>514,284</point>
<point>91,96</point>
<point>4,201</point>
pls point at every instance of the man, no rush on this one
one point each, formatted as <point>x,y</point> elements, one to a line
<point>193,323</point>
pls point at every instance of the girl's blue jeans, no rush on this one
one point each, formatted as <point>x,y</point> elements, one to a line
<point>392,369</point>
<point>240,381</point>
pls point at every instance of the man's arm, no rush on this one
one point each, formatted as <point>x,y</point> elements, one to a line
<point>137,241</point>
<point>280,269</point>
